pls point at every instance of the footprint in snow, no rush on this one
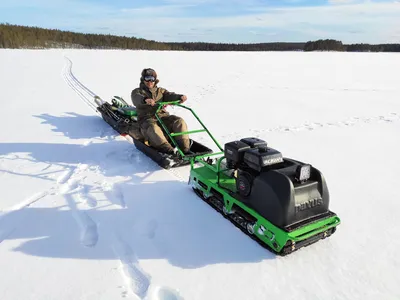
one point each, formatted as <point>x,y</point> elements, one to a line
<point>385,119</point>
<point>124,294</point>
<point>88,228</point>
<point>70,186</point>
<point>65,176</point>
<point>114,194</point>
<point>163,293</point>
<point>151,229</point>
<point>82,167</point>
<point>89,235</point>
<point>87,199</point>
<point>107,132</point>
<point>367,120</point>
<point>309,127</point>
<point>87,143</point>
<point>137,280</point>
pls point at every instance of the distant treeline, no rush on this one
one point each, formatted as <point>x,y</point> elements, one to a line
<point>334,45</point>
<point>16,36</point>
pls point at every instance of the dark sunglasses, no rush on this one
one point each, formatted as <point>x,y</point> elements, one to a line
<point>149,78</point>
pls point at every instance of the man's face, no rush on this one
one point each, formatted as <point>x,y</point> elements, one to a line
<point>149,81</point>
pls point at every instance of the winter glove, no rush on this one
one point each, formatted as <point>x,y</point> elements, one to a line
<point>183,98</point>
<point>150,101</point>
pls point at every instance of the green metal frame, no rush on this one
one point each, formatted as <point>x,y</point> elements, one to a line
<point>216,168</point>
<point>172,135</point>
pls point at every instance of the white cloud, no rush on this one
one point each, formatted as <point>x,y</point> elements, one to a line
<point>356,22</point>
<point>334,2</point>
<point>155,11</point>
<point>60,7</point>
<point>374,21</point>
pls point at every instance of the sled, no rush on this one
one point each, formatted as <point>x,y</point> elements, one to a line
<point>123,118</point>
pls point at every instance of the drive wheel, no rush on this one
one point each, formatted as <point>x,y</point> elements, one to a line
<point>225,211</point>
<point>250,228</point>
<point>243,184</point>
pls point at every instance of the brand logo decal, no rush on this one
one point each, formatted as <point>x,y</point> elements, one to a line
<point>309,204</point>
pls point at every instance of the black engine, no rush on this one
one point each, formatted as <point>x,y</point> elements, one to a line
<point>284,191</point>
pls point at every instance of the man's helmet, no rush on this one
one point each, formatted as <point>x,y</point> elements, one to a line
<point>148,72</point>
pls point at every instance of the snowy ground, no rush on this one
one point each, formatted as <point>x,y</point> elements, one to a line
<point>84,215</point>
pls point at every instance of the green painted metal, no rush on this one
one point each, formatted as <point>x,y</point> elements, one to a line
<point>187,132</point>
<point>216,177</point>
<point>171,135</point>
<point>129,111</point>
<point>273,236</point>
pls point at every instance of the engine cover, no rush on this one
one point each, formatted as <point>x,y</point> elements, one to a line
<point>276,196</point>
<point>234,151</point>
<point>255,142</point>
<point>257,158</point>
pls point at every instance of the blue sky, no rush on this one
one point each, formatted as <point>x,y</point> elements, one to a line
<point>225,21</point>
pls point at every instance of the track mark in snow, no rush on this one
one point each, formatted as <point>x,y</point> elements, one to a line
<point>68,182</point>
<point>70,186</point>
<point>119,195</point>
<point>163,293</point>
<point>108,132</point>
<point>88,228</point>
<point>353,121</point>
<point>138,281</point>
<point>81,90</point>
<point>114,194</point>
<point>86,198</point>
<point>391,118</point>
<point>82,167</point>
<point>151,229</point>
<point>65,176</point>
<point>45,168</point>
<point>89,234</point>
<point>29,201</point>
<point>7,227</point>
<point>4,233</point>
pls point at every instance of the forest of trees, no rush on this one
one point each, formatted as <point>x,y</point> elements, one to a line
<point>333,45</point>
<point>16,36</point>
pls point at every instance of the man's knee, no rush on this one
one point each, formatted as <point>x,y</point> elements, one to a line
<point>178,123</point>
<point>154,134</point>
<point>147,124</point>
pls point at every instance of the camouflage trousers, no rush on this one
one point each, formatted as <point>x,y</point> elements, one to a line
<point>154,133</point>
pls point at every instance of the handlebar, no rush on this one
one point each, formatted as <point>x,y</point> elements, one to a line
<point>177,103</point>
<point>168,103</point>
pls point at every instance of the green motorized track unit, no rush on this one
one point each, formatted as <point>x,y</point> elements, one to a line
<point>281,203</point>
<point>220,192</point>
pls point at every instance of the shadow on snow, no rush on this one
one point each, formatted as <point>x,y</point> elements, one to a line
<point>158,220</point>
